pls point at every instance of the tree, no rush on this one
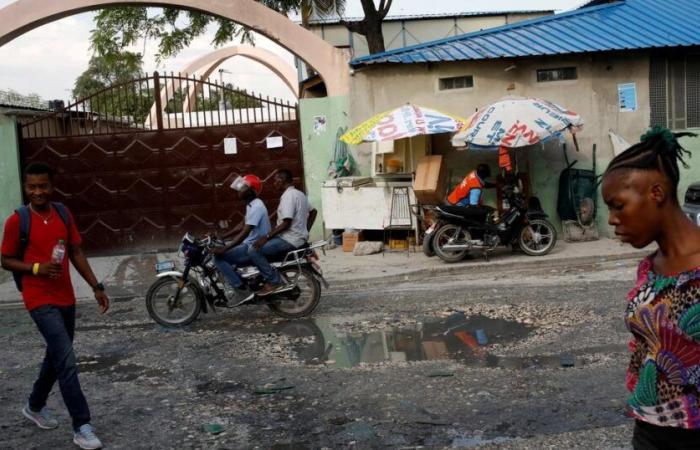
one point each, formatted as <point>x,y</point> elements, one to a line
<point>126,97</point>
<point>174,29</point>
<point>371,26</point>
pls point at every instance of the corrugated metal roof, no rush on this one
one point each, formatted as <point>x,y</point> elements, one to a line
<point>623,25</point>
<point>336,20</point>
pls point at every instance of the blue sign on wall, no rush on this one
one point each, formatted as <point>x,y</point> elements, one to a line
<point>627,95</point>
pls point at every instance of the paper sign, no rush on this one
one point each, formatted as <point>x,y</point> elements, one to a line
<point>627,95</point>
<point>275,142</point>
<point>230,146</point>
<point>319,124</point>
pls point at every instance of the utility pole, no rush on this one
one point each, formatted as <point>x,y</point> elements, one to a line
<point>222,100</point>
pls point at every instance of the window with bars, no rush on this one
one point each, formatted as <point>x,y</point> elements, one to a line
<point>559,74</point>
<point>674,91</point>
<point>463,82</point>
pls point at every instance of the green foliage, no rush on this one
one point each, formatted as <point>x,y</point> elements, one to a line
<point>210,99</point>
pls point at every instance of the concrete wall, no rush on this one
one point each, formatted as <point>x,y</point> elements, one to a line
<point>593,95</point>
<point>10,183</point>
<point>319,146</point>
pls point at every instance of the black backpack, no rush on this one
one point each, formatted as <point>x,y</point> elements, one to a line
<point>25,224</point>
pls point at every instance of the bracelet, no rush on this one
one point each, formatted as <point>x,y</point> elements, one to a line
<point>35,269</point>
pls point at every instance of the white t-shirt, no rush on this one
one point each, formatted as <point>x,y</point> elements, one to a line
<point>294,205</point>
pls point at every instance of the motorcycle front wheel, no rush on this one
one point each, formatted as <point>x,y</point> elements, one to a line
<point>428,249</point>
<point>165,309</point>
<point>537,238</point>
<point>451,235</point>
<point>299,301</point>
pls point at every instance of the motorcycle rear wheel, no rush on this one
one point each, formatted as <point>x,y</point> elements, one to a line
<point>161,305</point>
<point>451,234</point>
<point>537,238</point>
<point>300,301</point>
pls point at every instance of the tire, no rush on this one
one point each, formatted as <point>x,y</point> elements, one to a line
<point>162,292</point>
<point>448,233</point>
<point>300,301</point>
<point>428,249</point>
<point>542,242</point>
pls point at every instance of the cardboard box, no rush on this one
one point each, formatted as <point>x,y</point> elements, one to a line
<point>350,238</point>
<point>431,181</point>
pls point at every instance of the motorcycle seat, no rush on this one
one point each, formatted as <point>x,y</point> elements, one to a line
<point>477,213</point>
<point>281,256</point>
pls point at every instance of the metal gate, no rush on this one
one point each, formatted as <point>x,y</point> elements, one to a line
<point>138,177</point>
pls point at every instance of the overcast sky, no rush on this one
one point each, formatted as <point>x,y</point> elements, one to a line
<point>47,60</point>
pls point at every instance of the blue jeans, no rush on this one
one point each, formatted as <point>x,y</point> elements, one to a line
<point>57,325</point>
<point>274,247</point>
<point>227,263</point>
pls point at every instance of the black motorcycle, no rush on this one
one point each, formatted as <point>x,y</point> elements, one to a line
<point>523,225</point>
<point>176,298</point>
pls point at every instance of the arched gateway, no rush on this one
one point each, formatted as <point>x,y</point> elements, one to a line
<point>331,63</point>
<point>134,183</point>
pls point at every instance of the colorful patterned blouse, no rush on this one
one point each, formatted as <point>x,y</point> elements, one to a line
<point>663,314</point>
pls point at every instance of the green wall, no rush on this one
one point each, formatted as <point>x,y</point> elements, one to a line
<point>10,184</point>
<point>319,146</point>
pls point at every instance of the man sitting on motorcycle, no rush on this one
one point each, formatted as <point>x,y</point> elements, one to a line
<point>470,191</point>
<point>295,217</point>
<point>255,226</point>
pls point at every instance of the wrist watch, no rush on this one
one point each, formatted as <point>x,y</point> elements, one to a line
<point>98,287</point>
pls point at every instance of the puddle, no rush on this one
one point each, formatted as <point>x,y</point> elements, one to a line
<point>457,337</point>
<point>110,365</point>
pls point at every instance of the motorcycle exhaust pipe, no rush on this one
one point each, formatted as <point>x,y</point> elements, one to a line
<point>472,245</point>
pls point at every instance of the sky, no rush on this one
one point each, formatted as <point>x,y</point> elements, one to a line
<point>47,60</point>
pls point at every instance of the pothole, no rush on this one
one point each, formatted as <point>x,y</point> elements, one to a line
<point>457,337</point>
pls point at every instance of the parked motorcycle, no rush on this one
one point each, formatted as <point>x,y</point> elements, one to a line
<point>524,225</point>
<point>176,298</point>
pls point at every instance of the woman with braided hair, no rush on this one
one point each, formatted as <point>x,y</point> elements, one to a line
<point>663,311</point>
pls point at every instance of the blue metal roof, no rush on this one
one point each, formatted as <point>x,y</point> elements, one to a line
<point>623,25</point>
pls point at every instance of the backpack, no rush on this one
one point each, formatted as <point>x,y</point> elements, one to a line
<point>25,223</point>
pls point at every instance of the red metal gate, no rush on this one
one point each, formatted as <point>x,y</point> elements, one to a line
<point>138,184</point>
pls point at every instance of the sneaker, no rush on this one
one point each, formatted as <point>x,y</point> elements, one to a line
<point>242,294</point>
<point>272,288</point>
<point>85,438</point>
<point>42,419</point>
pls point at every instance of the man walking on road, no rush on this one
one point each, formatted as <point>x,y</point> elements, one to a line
<point>33,249</point>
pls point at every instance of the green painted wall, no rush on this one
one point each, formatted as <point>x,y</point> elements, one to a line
<point>10,184</point>
<point>319,146</point>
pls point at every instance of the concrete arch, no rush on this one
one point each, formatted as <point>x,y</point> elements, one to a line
<point>203,67</point>
<point>331,63</point>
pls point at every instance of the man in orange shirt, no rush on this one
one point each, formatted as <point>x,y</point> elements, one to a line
<point>43,276</point>
<point>470,191</point>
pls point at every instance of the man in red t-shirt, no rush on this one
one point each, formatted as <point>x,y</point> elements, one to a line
<point>48,295</point>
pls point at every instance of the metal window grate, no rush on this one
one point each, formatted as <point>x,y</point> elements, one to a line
<point>464,82</point>
<point>657,91</point>
<point>677,77</point>
<point>559,74</point>
<point>693,90</point>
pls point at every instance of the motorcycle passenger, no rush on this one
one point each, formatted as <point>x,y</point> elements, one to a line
<point>470,191</point>
<point>295,217</point>
<point>255,226</point>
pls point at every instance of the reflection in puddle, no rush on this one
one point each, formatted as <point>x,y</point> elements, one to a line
<point>456,337</point>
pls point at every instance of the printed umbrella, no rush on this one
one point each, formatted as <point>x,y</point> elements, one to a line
<point>516,122</point>
<point>406,121</point>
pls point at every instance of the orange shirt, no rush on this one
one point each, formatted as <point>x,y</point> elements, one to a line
<point>470,182</point>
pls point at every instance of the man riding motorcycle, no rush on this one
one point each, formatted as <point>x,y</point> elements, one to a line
<point>295,217</point>
<point>255,226</point>
<point>470,191</point>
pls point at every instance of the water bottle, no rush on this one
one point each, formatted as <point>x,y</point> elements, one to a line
<point>58,253</point>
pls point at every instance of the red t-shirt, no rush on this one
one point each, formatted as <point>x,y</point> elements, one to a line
<point>38,291</point>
